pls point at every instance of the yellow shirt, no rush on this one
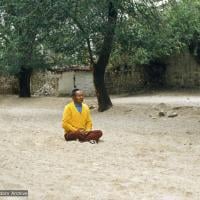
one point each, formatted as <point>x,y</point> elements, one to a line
<point>73,120</point>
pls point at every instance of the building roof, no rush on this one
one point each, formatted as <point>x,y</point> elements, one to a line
<point>72,68</point>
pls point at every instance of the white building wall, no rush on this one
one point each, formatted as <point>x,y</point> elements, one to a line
<point>65,83</point>
<point>83,80</point>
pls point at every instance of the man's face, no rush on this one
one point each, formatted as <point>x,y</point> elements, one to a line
<point>78,97</point>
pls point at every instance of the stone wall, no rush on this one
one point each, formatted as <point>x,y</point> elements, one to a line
<point>123,81</point>
<point>8,85</point>
<point>52,84</point>
<point>44,83</point>
<point>182,71</point>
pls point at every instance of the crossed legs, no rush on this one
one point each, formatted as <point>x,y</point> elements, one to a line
<point>83,137</point>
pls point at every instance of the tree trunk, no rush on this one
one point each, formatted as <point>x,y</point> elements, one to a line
<point>103,98</point>
<point>24,82</point>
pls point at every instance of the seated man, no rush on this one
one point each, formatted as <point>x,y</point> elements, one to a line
<point>76,120</point>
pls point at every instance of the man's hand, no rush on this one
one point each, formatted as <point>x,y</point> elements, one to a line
<point>82,131</point>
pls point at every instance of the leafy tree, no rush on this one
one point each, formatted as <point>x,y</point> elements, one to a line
<point>24,25</point>
<point>172,27</point>
<point>93,32</point>
<point>27,24</point>
<point>83,31</point>
<point>91,26</point>
<point>184,20</point>
<point>86,36</point>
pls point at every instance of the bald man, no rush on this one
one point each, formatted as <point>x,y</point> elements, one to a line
<point>76,120</point>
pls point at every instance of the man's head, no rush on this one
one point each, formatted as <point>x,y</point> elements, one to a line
<point>77,96</point>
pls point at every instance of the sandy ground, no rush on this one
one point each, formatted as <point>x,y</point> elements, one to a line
<point>141,156</point>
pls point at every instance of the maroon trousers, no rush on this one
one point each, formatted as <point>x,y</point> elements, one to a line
<point>83,137</point>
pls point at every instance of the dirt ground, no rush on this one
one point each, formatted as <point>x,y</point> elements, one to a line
<point>142,156</point>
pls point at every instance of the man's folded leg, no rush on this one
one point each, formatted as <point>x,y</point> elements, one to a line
<point>70,136</point>
<point>93,135</point>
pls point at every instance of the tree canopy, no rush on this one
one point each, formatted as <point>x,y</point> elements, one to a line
<point>38,34</point>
